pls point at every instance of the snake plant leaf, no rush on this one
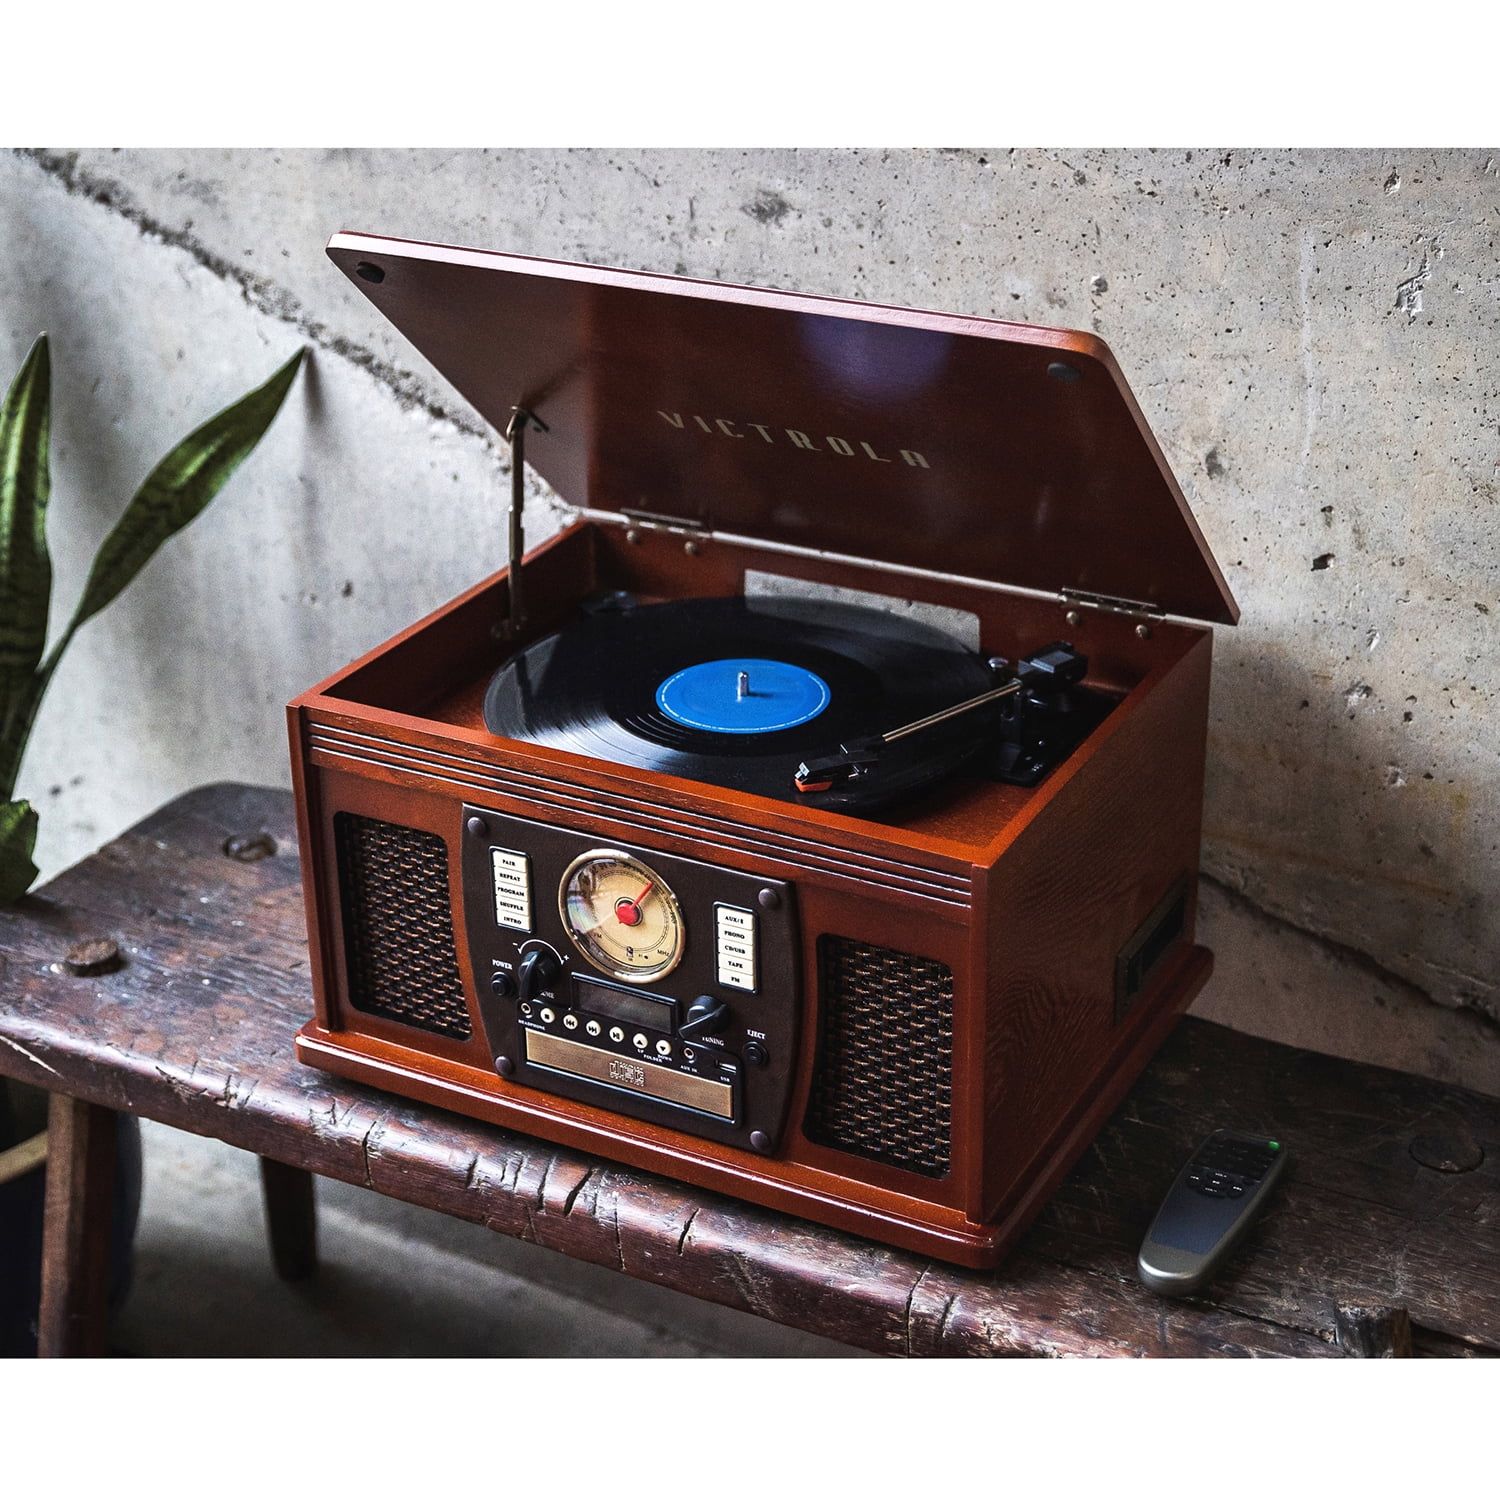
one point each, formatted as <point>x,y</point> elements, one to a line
<point>17,840</point>
<point>178,489</point>
<point>25,482</point>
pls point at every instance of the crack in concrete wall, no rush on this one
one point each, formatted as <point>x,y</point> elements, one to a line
<point>259,292</point>
<point>1357,958</point>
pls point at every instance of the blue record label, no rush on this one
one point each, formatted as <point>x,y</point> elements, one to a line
<point>743,695</point>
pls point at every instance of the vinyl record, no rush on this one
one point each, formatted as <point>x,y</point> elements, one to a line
<point>736,692</point>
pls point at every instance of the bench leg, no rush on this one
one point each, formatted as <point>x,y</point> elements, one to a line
<point>291,1219</point>
<point>73,1319</point>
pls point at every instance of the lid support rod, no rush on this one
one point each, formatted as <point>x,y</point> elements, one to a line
<point>515,435</point>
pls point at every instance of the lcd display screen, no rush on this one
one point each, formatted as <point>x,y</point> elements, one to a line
<point>625,1006</point>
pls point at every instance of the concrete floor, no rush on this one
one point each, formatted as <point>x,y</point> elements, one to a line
<point>394,1280</point>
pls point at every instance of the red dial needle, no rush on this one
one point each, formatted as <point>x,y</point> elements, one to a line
<point>628,911</point>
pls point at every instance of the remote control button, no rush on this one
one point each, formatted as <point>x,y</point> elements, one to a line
<point>664,1048</point>
<point>639,1040</point>
<point>617,1033</point>
<point>548,1014</point>
<point>571,1022</point>
<point>593,1028</point>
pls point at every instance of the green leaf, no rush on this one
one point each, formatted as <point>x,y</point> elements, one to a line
<point>15,727</point>
<point>178,489</point>
<point>25,483</point>
<point>17,840</point>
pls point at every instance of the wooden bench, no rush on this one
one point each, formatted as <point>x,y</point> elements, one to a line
<point>1385,1237</point>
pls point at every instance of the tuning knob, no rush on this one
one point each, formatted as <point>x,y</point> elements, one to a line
<point>539,970</point>
<point>706,1013</point>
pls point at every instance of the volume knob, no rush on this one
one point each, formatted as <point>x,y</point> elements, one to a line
<point>539,970</point>
<point>706,1013</point>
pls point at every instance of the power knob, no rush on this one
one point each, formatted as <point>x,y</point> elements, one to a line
<point>706,1013</point>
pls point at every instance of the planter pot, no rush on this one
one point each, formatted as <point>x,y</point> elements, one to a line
<point>21,1205</point>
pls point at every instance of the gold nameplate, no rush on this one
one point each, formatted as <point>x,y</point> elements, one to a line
<point>636,1075</point>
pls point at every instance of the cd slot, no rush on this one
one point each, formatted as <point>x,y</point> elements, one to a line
<point>635,1076</point>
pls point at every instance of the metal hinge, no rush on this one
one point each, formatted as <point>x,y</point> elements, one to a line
<point>1081,599</point>
<point>655,518</point>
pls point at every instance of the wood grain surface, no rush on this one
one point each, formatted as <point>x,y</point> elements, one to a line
<point>196,1030</point>
<point>642,410</point>
<point>75,1256</point>
<point>1042,1052</point>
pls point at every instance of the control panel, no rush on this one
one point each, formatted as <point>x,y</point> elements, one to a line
<point>661,987</point>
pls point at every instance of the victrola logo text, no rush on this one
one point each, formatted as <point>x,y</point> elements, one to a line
<point>793,437</point>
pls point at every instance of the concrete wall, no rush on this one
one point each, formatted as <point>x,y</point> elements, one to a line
<point>1314,336</point>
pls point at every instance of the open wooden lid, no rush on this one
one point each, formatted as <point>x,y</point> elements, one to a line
<point>984,450</point>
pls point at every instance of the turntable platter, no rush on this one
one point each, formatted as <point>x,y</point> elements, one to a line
<point>737,692</point>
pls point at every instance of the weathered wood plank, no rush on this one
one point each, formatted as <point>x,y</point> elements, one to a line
<point>24,1157</point>
<point>76,1228</point>
<point>196,1030</point>
<point>1374,1332</point>
<point>290,1201</point>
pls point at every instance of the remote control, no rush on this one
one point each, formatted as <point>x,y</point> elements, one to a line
<point>1215,1199</point>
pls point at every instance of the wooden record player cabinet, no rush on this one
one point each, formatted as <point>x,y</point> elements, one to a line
<point>982,973</point>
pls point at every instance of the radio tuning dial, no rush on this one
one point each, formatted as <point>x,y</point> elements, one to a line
<point>706,1013</point>
<point>622,916</point>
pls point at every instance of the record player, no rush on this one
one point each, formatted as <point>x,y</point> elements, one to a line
<point>814,818</point>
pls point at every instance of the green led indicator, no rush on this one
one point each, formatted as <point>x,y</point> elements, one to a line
<point>1274,1145</point>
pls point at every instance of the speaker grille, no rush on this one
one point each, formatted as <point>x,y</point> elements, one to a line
<point>398,926</point>
<point>883,1087</point>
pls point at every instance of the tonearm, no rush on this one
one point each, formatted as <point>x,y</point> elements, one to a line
<point>1055,667</point>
